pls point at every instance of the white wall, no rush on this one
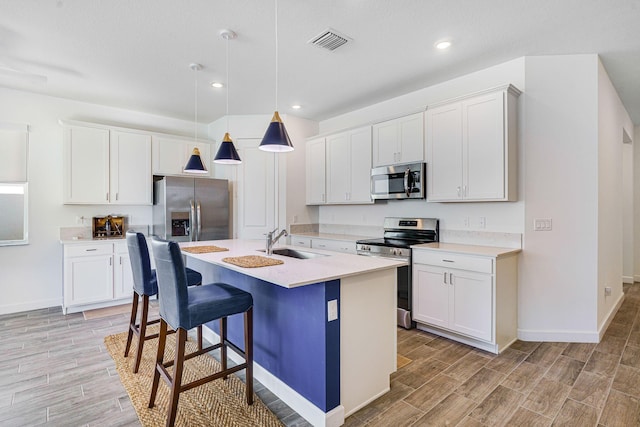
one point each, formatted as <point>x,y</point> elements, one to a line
<point>500,217</point>
<point>636,205</point>
<point>31,275</point>
<point>613,124</point>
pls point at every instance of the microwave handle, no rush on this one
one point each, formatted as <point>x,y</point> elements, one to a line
<point>408,182</point>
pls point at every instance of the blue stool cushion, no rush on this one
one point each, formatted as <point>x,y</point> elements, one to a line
<point>186,308</point>
<point>214,301</point>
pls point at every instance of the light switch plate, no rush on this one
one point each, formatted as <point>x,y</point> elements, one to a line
<point>542,224</point>
<point>332,310</point>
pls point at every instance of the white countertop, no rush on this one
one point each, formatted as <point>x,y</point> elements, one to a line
<point>294,272</point>
<point>92,241</point>
<point>468,249</point>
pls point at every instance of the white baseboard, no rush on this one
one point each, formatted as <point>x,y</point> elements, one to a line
<point>558,336</point>
<point>636,278</point>
<point>32,305</point>
<point>609,317</point>
<point>298,403</point>
<point>571,336</point>
<point>627,279</point>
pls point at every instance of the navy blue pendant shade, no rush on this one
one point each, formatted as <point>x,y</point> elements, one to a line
<point>276,138</point>
<point>227,153</point>
<point>195,165</point>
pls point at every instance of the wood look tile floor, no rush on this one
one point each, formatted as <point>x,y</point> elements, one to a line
<point>529,384</point>
<point>55,370</point>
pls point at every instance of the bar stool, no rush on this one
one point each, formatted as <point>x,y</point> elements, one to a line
<point>145,285</point>
<point>183,308</point>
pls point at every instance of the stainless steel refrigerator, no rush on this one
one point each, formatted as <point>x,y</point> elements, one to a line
<point>190,209</point>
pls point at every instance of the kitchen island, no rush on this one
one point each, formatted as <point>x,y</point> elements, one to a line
<point>324,327</point>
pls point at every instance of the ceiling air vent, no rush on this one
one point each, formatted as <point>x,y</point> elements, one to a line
<point>329,39</point>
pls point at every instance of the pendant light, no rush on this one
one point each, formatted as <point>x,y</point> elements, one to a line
<point>195,164</point>
<point>227,153</point>
<point>276,138</point>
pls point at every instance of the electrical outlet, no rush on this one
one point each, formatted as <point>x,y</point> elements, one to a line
<point>607,291</point>
<point>295,219</point>
<point>542,224</point>
<point>332,310</point>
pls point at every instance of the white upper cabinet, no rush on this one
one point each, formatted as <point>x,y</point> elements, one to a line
<point>399,140</point>
<point>130,169</point>
<point>472,148</point>
<point>106,167</point>
<point>339,168</point>
<point>86,168</point>
<point>315,157</point>
<point>170,155</point>
<point>349,167</point>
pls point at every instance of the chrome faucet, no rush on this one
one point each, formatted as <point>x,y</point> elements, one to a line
<point>272,240</point>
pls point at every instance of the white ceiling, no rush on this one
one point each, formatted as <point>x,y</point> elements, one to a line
<point>135,54</point>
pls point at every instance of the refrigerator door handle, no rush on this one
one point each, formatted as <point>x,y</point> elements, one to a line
<point>192,217</point>
<point>198,219</point>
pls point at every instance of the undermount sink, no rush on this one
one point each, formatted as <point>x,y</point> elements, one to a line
<point>294,253</point>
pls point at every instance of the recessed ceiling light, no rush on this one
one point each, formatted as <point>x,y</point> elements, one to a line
<point>442,44</point>
<point>217,85</point>
<point>296,107</point>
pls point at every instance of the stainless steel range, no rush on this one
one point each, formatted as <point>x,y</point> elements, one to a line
<point>399,235</point>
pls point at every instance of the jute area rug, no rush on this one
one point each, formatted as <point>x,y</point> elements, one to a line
<point>217,403</point>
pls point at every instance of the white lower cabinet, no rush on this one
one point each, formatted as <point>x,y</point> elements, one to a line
<point>469,298</point>
<point>346,246</point>
<point>123,276</point>
<point>96,275</point>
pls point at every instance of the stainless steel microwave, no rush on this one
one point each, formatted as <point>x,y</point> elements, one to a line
<point>404,181</point>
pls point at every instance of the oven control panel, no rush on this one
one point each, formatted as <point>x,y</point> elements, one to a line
<point>383,251</point>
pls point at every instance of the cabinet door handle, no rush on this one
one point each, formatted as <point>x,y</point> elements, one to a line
<point>451,278</point>
<point>107,197</point>
<point>464,191</point>
<point>117,194</point>
<point>458,190</point>
<point>445,277</point>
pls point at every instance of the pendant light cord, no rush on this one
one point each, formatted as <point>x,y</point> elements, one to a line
<point>227,38</point>
<point>276,21</point>
<point>195,117</point>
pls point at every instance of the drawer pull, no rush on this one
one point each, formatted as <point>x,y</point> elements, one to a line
<point>90,250</point>
<point>448,260</point>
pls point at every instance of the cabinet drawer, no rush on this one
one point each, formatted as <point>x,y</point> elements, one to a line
<point>88,249</point>
<point>334,245</point>
<point>301,241</point>
<point>449,260</point>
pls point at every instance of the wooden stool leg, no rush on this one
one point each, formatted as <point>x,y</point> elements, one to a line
<point>132,322</point>
<point>223,347</point>
<point>142,332</point>
<point>181,339</point>
<point>162,339</point>
<point>200,337</point>
<point>248,353</point>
